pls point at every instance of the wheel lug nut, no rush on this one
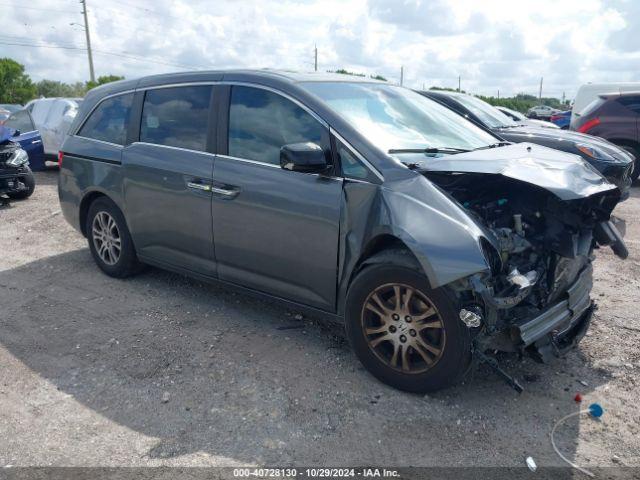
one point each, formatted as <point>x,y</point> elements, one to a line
<point>392,329</point>
<point>403,338</point>
<point>407,318</point>
<point>412,332</point>
<point>395,316</point>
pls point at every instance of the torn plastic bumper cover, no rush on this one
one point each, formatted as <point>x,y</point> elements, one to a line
<point>554,330</point>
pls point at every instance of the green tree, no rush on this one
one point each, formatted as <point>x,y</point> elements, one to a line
<point>102,80</point>
<point>54,88</point>
<point>15,85</point>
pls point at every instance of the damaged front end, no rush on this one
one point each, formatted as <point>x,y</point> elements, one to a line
<point>539,240</point>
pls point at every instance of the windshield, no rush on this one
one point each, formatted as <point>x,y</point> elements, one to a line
<point>396,118</point>
<point>489,115</point>
<point>10,107</point>
<point>514,114</point>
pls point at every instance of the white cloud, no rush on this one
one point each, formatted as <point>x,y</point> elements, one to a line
<point>492,44</point>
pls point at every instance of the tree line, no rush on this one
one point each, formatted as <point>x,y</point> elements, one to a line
<point>520,102</point>
<point>16,87</point>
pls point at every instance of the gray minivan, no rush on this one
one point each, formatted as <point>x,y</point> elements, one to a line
<point>362,201</point>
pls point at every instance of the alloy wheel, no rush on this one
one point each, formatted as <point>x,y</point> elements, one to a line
<point>106,238</point>
<point>403,328</point>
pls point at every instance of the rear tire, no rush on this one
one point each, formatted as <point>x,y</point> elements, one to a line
<point>410,349</point>
<point>29,181</point>
<point>109,239</point>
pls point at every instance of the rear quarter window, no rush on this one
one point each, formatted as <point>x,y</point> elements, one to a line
<point>109,121</point>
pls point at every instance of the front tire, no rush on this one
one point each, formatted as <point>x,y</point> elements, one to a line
<point>405,333</point>
<point>29,182</point>
<point>109,239</point>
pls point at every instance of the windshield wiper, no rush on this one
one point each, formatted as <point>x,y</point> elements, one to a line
<point>428,150</point>
<point>493,145</point>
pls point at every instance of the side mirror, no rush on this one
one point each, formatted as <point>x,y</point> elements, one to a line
<point>303,157</point>
<point>16,133</point>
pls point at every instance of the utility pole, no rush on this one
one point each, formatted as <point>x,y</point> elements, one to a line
<point>401,75</point>
<point>315,63</point>
<point>498,94</point>
<point>86,31</point>
<point>540,93</point>
<point>459,90</point>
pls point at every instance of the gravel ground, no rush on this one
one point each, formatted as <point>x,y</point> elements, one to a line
<point>164,370</point>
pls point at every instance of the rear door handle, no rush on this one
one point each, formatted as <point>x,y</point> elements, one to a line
<point>199,186</point>
<point>36,141</point>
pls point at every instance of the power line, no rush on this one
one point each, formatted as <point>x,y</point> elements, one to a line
<point>42,46</point>
<point>100,52</point>
<point>21,7</point>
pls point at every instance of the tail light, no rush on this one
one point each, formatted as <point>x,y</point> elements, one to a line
<point>60,157</point>
<point>555,117</point>
<point>586,126</point>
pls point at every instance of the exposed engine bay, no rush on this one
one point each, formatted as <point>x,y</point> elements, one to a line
<point>538,247</point>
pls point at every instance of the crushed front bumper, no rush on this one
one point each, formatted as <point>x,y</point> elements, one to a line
<point>560,326</point>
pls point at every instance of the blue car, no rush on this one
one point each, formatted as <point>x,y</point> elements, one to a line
<point>28,137</point>
<point>561,119</point>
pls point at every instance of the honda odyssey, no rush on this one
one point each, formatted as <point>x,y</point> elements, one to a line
<point>362,201</point>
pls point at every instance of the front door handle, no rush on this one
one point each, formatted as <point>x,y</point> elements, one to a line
<point>199,186</point>
<point>36,141</point>
<point>228,193</point>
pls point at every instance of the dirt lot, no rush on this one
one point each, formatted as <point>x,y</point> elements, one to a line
<point>164,370</point>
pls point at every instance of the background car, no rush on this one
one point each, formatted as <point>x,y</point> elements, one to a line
<point>28,137</point>
<point>614,117</point>
<point>52,117</point>
<point>16,179</point>
<point>561,119</point>
<point>520,118</point>
<point>610,160</point>
<point>541,111</point>
<point>589,92</point>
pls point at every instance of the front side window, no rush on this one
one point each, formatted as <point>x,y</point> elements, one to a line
<point>20,120</point>
<point>176,117</point>
<point>261,122</point>
<point>109,121</point>
<point>351,166</point>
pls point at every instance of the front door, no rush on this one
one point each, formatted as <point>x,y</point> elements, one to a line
<point>29,138</point>
<point>275,230</point>
<point>167,179</point>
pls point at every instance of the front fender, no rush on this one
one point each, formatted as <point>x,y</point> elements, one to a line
<point>446,244</point>
<point>439,233</point>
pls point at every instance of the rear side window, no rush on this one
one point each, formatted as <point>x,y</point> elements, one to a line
<point>109,121</point>
<point>176,117</point>
<point>20,120</point>
<point>261,122</point>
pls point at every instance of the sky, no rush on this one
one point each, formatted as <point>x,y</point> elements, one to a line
<point>492,45</point>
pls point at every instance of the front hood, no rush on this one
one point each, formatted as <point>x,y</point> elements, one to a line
<point>565,175</point>
<point>561,139</point>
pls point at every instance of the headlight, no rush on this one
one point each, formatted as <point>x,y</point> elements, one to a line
<point>18,158</point>
<point>594,152</point>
